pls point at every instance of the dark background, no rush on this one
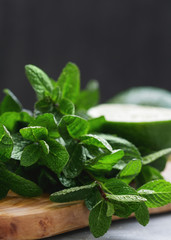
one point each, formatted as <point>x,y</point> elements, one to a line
<point>121,43</point>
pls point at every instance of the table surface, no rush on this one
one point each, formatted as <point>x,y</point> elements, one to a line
<point>159,228</point>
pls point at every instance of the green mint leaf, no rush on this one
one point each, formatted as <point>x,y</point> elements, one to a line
<point>10,103</point>
<point>69,82</point>
<point>160,163</point>
<point>105,162</point>
<point>110,209</point>
<point>93,199</point>
<point>67,182</point>
<point>98,221</point>
<point>117,187</point>
<point>75,125</point>
<point>142,214</point>
<point>44,105</point>
<point>3,190</point>
<point>34,133</point>
<point>19,184</point>
<point>154,156</point>
<point>48,121</point>
<point>93,152</point>
<point>95,124</point>
<point>47,181</point>
<point>44,146</point>
<point>56,94</point>
<point>125,198</point>
<point>147,174</point>
<point>95,140</point>
<point>131,152</point>
<point>66,107</point>
<point>120,165</point>
<point>19,144</point>
<point>124,209</point>
<point>57,157</point>
<point>130,171</point>
<point>83,114</point>
<point>72,194</point>
<point>39,80</point>
<point>30,155</point>
<point>6,144</point>
<point>157,193</point>
<point>11,119</point>
<point>76,162</point>
<point>88,97</point>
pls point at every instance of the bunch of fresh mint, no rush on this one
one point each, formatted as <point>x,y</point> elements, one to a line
<point>56,149</point>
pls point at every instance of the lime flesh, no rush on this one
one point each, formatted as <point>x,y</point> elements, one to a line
<point>148,127</point>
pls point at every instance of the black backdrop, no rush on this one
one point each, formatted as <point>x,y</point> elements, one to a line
<point>121,43</point>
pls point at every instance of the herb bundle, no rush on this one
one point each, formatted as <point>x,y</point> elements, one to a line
<point>59,149</point>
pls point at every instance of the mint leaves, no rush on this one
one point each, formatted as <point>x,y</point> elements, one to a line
<point>30,155</point>
<point>18,184</point>
<point>6,143</point>
<point>130,171</point>
<point>75,125</point>
<point>10,103</point>
<point>35,133</point>
<point>95,140</point>
<point>69,82</point>
<point>47,121</point>
<point>142,214</point>
<point>157,193</point>
<point>58,149</point>
<point>98,219</point>
<point>154,156</point>
<point>88,97</point>
<point>72,194</point>
<point>105,162</point>
<point>57,157</point>
<point>39,81</point>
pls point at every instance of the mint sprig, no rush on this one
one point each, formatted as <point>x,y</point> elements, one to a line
<point>58,149</point>
<point>72,194</point>
<point>69,82</point>
<point>98,219</point>
<point>39,81</point>
<point>157,193</point>
<point>6,143</point>
<point>10,103</point>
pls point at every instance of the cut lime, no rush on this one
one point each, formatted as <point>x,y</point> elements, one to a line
<point>148,127</point>
<point>148,96</point>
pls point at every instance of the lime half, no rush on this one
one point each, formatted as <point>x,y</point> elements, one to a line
<point>148,127</point>
<point>148,96</point>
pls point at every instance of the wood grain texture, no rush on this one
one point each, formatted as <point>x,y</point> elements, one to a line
<point>37,218</point>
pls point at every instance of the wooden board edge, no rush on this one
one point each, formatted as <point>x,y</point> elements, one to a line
<point>42,225</point>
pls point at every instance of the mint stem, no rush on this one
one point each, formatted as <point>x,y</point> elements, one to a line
<point>103,194</point>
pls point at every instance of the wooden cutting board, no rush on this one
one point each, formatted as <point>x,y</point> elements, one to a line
<point>37,218</point>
